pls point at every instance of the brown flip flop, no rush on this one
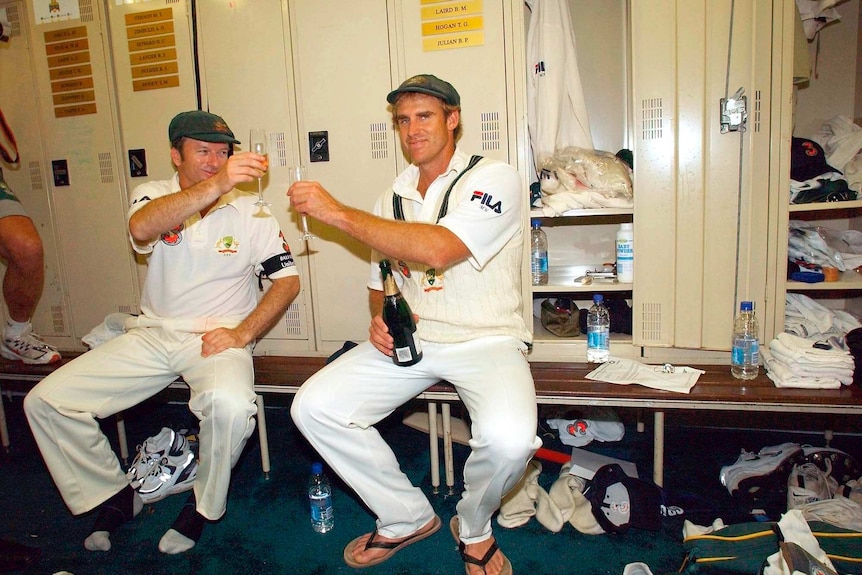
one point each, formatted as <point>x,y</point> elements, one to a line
<point>455,528</point>
<point>392,546</point>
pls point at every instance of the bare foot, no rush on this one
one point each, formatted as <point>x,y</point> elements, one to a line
<point>497,564</point>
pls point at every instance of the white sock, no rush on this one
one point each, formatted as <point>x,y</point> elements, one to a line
<point>15,328</point>
<point>101,540</point>
<point>173,542</point>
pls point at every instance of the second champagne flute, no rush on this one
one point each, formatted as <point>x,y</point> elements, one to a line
<point>297,173</point>
<point>257,144</point>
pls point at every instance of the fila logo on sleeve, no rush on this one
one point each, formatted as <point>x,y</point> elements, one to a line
<point>487,202</point>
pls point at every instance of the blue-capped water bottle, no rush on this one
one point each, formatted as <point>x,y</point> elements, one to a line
<point>320,498</point>
<point>745,347</point>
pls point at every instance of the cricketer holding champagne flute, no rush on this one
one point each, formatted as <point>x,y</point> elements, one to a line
<point>453,231</point>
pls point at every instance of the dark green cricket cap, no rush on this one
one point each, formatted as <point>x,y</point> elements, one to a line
<point>203,126</point>
<point>427,84</point>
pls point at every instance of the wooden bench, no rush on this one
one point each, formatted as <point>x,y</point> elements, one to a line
<point>556,384</point>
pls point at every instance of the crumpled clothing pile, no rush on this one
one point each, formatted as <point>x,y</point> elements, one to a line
<point>577,178</point>
<point>809,319</point>
<point>842,141</point>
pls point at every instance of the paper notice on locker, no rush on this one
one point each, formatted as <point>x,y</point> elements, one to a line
<point>669,377</point>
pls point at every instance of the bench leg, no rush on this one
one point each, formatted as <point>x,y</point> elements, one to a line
<point>448,459</point>
<point>262,435</point>
<point>433,446</point>
<point>4,430</point>
<point>658,449</point>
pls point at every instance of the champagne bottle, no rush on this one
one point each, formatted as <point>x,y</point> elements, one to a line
<point>399,319</point>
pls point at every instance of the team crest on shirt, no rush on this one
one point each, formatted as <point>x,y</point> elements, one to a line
<point>173,237</point>
<point>227,245</point>
<point>486,202</point>
<point>402,267</point>
<point>432,281</point>
<point>284,242</point>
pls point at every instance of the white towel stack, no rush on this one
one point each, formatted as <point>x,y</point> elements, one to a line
<point>793,361</point>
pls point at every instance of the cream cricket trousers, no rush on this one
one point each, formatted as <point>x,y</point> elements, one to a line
<point>337,408</point>
<point>121,373</point>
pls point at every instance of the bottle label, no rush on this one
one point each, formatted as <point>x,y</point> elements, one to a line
<point>407,353</point>
<point>745,351</point>
<point>597,339</point>
<point>321,508</point>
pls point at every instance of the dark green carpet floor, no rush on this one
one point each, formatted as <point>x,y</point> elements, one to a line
<point>266,529</point>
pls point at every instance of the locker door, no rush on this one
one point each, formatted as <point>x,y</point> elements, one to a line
<point>154,79</point>
<point>342,73</point>
<point>28,179</point>
<point>248,80</point>
<point>80,146</point>
<point>701,193</point>
<point>469,45</point>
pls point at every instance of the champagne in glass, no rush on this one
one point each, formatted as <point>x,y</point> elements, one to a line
<point>258,145</point>
<point>297,173</point>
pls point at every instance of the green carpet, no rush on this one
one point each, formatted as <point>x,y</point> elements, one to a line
<point>266,529</point>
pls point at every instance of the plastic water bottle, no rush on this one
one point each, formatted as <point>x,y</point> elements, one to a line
<point>538,253</point>
<point>625,254</point>
<point>598,331</point>
<point>320,498</point>
<point>745,350</point>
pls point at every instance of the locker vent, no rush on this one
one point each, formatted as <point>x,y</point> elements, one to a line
<point>280,150</point>
<point>379,141</point>
<point>14,19</point>
<point>58,318</point>
<point>174,1</point>
<point>651,322</point>
<point>130,309</point>
<point>106,167</point>
<point>292,320</point>
<point>35,175</point>
<point>490,131</point>
<point>651,113</point>
<point>757,102</point>
<point>86,8</point>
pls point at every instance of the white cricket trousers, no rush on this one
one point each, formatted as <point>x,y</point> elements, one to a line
<point>336,410</point>
<point>121,373</point>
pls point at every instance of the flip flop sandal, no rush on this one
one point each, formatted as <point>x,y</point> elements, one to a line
<point>392,546</point>
<point>454,527</point>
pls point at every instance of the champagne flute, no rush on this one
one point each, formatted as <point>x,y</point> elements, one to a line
<point>257,144</point>
<point>297,173</point>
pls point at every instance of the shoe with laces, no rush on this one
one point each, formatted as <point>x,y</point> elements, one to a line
<point>767,469</point>
<point>151,451</point>
<point>172,474</point>
<point>840,465</point>
<point>808,483</point>
<point>29,348</point>
<point>165,464</point>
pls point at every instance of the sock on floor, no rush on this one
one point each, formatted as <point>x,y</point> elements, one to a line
<point>186,530</point>
<point>120,508</point>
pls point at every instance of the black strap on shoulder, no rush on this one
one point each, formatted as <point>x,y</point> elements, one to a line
<point>398,208</point>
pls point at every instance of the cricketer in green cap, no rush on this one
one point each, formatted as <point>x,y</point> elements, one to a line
<point>199,125</point>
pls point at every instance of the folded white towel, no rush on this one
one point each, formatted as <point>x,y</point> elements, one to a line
<point>781,376</point>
